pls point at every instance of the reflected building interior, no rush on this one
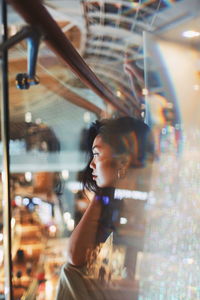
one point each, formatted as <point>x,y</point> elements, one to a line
<point>146,53</point>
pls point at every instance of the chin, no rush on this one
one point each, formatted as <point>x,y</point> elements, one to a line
<point>101,185</point>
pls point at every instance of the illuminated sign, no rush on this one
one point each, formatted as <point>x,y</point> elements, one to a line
<point>139,195</point>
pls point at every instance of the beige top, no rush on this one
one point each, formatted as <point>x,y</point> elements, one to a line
<point>100,279</point>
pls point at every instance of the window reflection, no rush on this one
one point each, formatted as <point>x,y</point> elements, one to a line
<point>147,247</point>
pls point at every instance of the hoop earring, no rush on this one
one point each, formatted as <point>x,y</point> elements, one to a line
<point>118,174</point>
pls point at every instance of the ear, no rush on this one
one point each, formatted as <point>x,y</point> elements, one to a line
<point>124,161</point>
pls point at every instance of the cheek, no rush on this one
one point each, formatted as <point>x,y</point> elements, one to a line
<point>107,172</point>
<point>106,166</point>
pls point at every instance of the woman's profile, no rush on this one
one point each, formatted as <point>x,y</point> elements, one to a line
<point>102,250</point>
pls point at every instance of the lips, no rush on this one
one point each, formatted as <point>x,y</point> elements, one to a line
<point>94,176</point>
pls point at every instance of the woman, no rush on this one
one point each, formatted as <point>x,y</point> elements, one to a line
<point>118,151</point>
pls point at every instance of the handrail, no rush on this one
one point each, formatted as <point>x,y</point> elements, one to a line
<point>37,15</point>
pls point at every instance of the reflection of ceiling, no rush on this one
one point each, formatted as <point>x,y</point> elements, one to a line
<point>102,31</point>
<point>176,34</point>
<point>116,27</point>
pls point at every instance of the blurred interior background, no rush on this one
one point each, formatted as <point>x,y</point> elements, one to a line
<point>48,124</point>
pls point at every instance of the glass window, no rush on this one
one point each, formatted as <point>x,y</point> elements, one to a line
<point>104,190</point>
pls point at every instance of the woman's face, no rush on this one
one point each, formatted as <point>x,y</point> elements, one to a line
<point>103,165</point>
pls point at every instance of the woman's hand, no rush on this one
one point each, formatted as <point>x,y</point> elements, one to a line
<point>84,236</point>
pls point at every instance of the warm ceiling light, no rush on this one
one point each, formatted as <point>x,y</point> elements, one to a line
<point>145,92</point>
<point>65,174</point>
<point>86,117</point>
<point>119,94</point>
<point>28,117</point>
<point>28,176</point>
<point>190,34</point>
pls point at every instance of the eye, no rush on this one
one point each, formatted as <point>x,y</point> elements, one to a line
<point>95,154</point>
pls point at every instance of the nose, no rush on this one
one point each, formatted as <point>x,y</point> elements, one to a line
<point>92,164</point>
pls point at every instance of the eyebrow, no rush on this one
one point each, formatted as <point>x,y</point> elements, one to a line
<point>96,146</point>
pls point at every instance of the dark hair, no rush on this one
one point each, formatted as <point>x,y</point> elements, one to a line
<point>125,135</point>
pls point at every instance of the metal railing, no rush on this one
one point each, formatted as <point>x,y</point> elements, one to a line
<point>36,15</point>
